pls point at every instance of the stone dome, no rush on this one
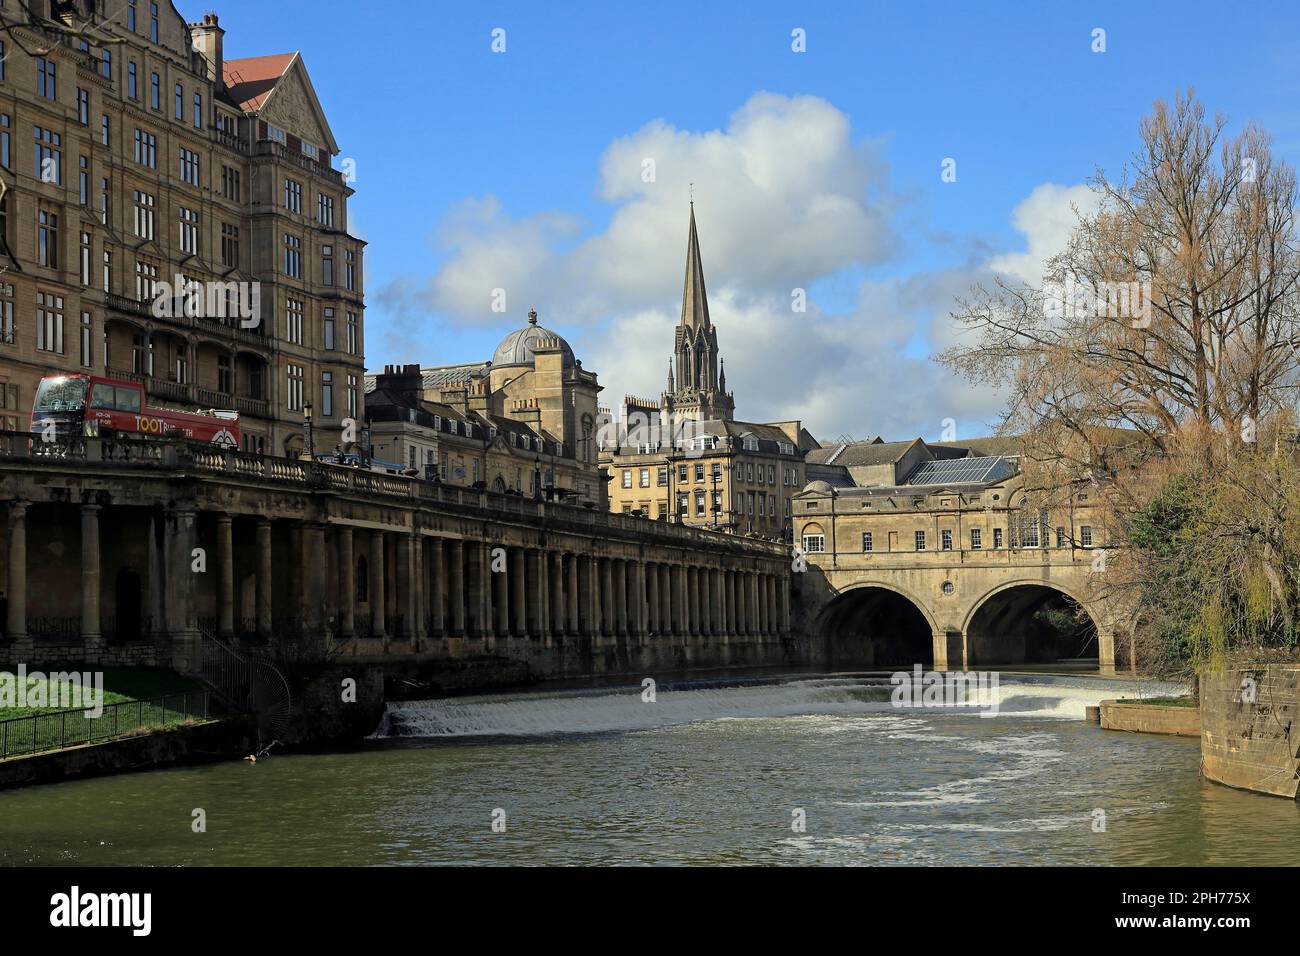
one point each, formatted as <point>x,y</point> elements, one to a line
<point>821,487</point>
<point>518,347</point>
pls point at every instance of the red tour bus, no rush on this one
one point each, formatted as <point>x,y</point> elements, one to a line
<point>91,405</point>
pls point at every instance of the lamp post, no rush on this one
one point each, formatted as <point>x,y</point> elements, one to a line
<point>306,417</point>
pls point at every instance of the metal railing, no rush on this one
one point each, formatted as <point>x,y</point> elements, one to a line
<point>247,683</point>
<point>60,729</point>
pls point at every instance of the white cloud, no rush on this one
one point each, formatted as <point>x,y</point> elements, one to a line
<point>785,198</point>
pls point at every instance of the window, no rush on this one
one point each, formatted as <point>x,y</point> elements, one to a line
<point>198,111</point>
<point>153,22</point>
<point>327,326</point>
<point>108,271</point>
<point>945,540</point>
<point>699,502</point>
<point>814,543</point>
<point>144,222</point>
<point>1085,536</point>
<point>352,396</point>
<point>104,200</point>
<point>867,541</point>
<point>948,587</point>
<point>224,375</point>
<point>49,322</point>
<point>130,15</point>
<point>48,153</point>
<point>920,541</point>
<point>229,245</point>
<point>47,238</point>
<point>662,477</point>
<point>997,538</point>
<point>85,257</point>
<point>699,472</point>
<point>350,271</point>
<point>180,102</point>
<point>83,106</point>
<point>293,321</point>
<point>189,231</point>
<point>310,149</point>
<point>760,474</point>
<point>146,282</point>
<point>83,180</point>
<point>1060,537</point>
<point>5,157</point>
<point>46,79</point>
<point>155,91</point>
<point>132,90</point>
<point>683,505</point>
<point>293,256</point>
<point>681,474</point>
<point>293,382</point>
<point>230,183</point>
<point>327,394</point>
<point>146,149</point>
<point>627,479</point>
<point>292,195</point>
<point>354,338</point>
<point>771,474</point>
<point>103,129</point>
<point>645,477</point>
<point>976,536</point>
<point>327,265</point>
<point>6,313</point>
<point>2,59</point>
<point>106,67</point>
<point>325,210</point>
<point>189,166</point>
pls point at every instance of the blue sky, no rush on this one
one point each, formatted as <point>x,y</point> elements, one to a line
<point>520,170</point>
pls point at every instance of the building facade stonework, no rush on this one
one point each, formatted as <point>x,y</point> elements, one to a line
<point>137,159</point>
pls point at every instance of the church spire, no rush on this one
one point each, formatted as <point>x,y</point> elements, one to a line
<point>695,301</point>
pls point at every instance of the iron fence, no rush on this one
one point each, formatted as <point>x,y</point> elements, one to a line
<point>59,729</point>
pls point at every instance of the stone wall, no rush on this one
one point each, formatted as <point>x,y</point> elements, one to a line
<point>1150,718</point>
<point>1250,737</point>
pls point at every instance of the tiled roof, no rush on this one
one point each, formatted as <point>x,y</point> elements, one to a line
<point>250,81</point>
<point>861,453</point>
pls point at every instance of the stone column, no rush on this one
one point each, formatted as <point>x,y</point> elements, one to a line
<point>652,597</point>
<point>754,620</point>
<point>225,575</point>
<point>558,603</point>
<point>456,585</point>
<point>536,600</point>
<point>1106,650</point>
<point>608,622</point>
<point>620,595</point>
<point>314,579</point>
<point>92,637</point>
<point>436,576</point>
<point>772,617</point>
<point>708,608</point>
<point>640,612</point>
<point>586,595</point>
<point>720,596</point>
<point>419,589</point>
<point>265,579</point>
<point>478,568</point>
<point>501,582</point>
<point>378,595</point>
<point>572,596</point>
<point>665,600</point>
<point>681,602</point>
<point>518,592</point>
<point>403,627</point>
<point>16,624</point>
<point>347,582</point>
<point>182,624</point>
<point>783,610</point>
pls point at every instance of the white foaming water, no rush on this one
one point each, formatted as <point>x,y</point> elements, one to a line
<point>623,710</point>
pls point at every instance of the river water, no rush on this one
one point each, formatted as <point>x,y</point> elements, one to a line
<point>705,774</point>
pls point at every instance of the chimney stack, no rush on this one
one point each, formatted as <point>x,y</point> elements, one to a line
<point>209,41</point>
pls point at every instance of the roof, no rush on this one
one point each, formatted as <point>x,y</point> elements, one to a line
<point>992,445</point>
<point>862,453</point>
<point>250,81</point>
<point>520,346</point>
<point>442,376</point>
<point>962,471</point>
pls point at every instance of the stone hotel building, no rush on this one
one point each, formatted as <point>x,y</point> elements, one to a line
<point>132,151</point>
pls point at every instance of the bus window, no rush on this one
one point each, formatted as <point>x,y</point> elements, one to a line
<point>128,400</point>
<point>101,396</point>
<point>61,395</point>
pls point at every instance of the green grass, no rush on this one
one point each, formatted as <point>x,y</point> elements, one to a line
<point>120,685</point>
<point>1161,701</point>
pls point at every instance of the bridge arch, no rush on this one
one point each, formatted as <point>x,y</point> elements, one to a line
<point>1030,621</point>
<point>873,624</point>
